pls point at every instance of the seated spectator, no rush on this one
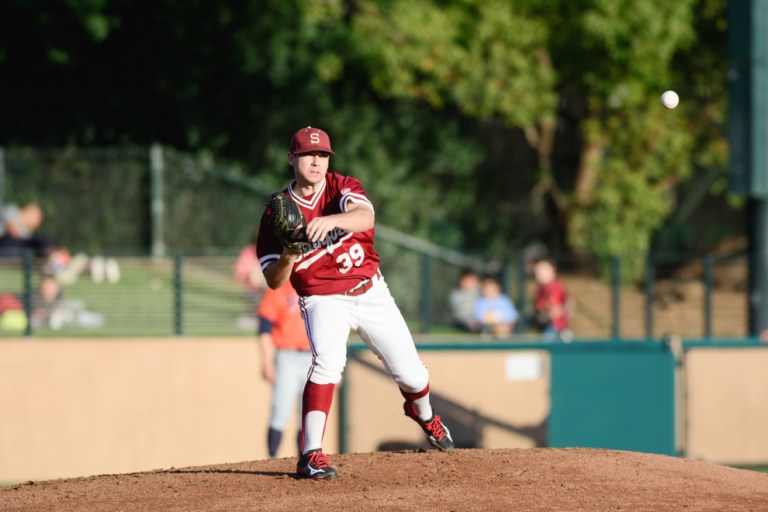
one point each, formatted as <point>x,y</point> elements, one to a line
<point>51,310</point>
<point>551,303</point>
<point>494,311</point>
<point>47,304</point>
<point>18,226</point>
<point>462,301</point>
<point>67,268</point>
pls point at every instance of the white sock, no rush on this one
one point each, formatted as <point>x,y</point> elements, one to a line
<point>423,408</point>
<point>314,425</point>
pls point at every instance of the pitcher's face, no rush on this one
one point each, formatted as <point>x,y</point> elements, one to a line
<point>310,168</point>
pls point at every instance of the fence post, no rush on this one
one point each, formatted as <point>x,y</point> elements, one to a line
<point>522,299</point>
<point>708,264</point>
<point>426,293</point>
<point>649,276</point>
<point>615,298</point>
<point>343,415</point>
<point>178,292</point>
<point>157,205</point>
<point>27,299</point>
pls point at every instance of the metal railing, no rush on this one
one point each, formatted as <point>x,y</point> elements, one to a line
<point>196,295</point>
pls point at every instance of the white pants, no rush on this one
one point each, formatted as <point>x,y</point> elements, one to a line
<point>378,321</point>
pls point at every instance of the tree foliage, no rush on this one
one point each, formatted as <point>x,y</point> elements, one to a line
<point>482,124</point>
<point>606,61</point>
<point>486,57</point>
<point>633,151</point>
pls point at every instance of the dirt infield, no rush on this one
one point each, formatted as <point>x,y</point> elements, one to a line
<point>532,479</point>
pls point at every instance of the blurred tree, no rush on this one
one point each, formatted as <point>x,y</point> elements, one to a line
<point>600,63</point>
<point>485,123</point>
<point>486,59</point>
<point>634,152</point>
<point>706,214</point>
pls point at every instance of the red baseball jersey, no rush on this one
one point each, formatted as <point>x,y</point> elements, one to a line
<point>337,263</point>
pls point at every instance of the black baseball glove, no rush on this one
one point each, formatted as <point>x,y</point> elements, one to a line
<point>289,223</point>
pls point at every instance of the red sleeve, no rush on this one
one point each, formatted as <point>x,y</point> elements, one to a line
<point>558,293</point>
<point>348,188</point>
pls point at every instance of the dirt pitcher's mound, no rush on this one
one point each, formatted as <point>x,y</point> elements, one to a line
<point>535,479</point>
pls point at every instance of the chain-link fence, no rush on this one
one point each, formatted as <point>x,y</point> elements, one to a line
<point>92,199</point>
<point>135,199</point>
<point>198,295</point>
<point>123,205</point>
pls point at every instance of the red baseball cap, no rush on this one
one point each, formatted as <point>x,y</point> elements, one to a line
<point>310,139</point>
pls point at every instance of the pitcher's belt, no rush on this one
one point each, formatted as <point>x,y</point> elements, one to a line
<point>363,286</point>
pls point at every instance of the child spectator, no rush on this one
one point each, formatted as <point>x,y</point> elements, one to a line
<point>551,302</point>
<point>47,307</point>
<point>495,312</point>
<point>462,300</point>
<point>52,311</point>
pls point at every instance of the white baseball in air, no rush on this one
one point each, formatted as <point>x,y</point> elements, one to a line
<point>670,99</point>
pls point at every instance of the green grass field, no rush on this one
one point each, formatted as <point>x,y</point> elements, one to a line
<point>761,469</point>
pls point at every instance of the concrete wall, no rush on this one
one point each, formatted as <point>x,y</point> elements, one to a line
<point>727,405</point>
<point>487,399</point>
<point>85,407</point>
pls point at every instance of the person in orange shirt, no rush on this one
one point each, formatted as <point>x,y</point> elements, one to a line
<point>286,357</point>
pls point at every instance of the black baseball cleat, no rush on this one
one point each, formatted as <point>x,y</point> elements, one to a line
<point>437,433</point>
<point>315,464</point>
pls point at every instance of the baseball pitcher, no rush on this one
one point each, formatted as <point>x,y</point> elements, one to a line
<point>318,233</point>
